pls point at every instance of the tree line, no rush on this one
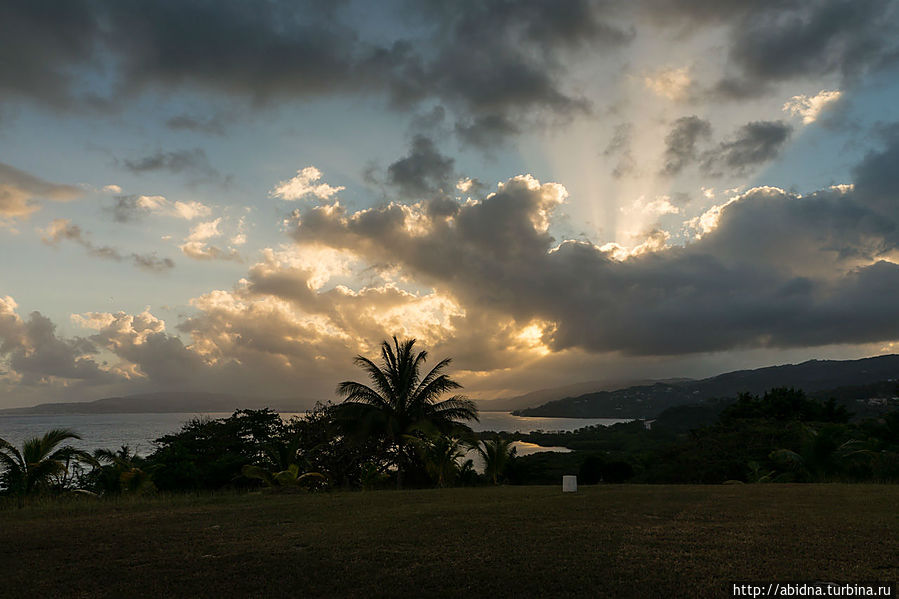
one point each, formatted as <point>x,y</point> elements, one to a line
<point>401,430</point>
<point>398,430</point>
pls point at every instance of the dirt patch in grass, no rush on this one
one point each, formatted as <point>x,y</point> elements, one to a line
<point>628,540</point>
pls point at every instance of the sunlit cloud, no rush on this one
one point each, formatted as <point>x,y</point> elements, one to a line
<point>20,193</point>
<point>303,185</point>
<point>811,107</point>
<point>670,83</point>
<point>135,207</point>
<point>197,245</point>
<point>652,208</point>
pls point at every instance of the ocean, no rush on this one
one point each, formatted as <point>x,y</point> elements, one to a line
<point>138,431</point>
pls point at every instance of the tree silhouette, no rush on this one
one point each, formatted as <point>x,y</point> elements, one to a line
<point>496,453</point>
<point>122,472</point>
<point>41,460</point>
<point>401,404</point>
<point>442,457</point>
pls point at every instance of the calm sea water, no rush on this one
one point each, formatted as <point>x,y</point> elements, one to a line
<point>138,431</point>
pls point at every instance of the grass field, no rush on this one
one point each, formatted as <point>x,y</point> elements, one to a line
<point>616,541</point>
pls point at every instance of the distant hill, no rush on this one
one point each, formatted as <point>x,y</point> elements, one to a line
<point>536,398</point>
<point>647,401</point>
<point>156,403</point>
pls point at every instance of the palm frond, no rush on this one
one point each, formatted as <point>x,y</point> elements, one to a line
<point>457,407</point>
<point>359,393</point>
<point>56,436</point>
<point>434,389</point>
<point>6,446</point>
<point>381,379</point>
<point>11,465</point>
<point>435,372</point>
<point>71,453</point>
<point>39,472</point>
<point>259,473</point>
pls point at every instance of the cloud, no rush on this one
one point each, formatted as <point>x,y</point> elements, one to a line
<point>197,245</point>
<point>178,161</point>
<point>42,51</point>
<point>653,208</point>
<point>135,207</point>
<point>19,192</point>
<point>152,262</point>
<point>486,131</point>
<point>810,39</point>
<point>303,185</point>
<point>498,66</point>
<point>811,107</point>
<point>145,349</point>
<point>772,269</point>
<point>256,49</point>
<point>754,144</point>
<point>479,58</point>
<point>876,177</point>
<point>31,349</point>
<point>423,172</point>
<point>671,83</point>
<point>620,145</point>
<point>212,125</point>
<point>681,143</point>
<point>488,283</point>
<point>62,229</point>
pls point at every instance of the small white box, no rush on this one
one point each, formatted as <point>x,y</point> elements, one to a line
<point>569,484</point>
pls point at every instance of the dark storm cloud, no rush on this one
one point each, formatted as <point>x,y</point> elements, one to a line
<point>177,161</point>
<point>686,12</point>
<point>497,61</point>
<point>681,143</point>
<point>258,49</point>
<point>486,131</point>
<point>771,41</point>
<point>423,172</point>
<point>772,268</point>
<point>877,175</point>
<point>486,57</point>
<point>816,38</point>
<point>753,144</point>
<point>43,44</point>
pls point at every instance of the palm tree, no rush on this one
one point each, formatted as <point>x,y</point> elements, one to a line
<point>496,453</point>
<point>289,477</point>
<point>33,469</point>
<point>123,472</point>
<point>442,457</point>
<point>401,404</point>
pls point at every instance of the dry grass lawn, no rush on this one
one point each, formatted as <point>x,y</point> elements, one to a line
<point>615,541</point>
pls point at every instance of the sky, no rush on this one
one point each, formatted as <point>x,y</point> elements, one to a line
<point>240,196</point>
